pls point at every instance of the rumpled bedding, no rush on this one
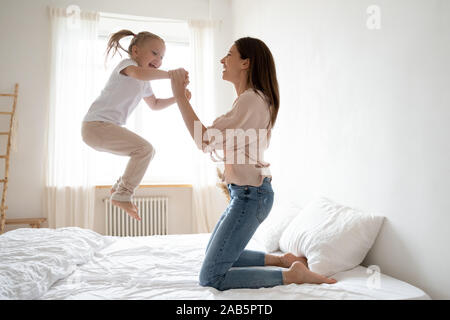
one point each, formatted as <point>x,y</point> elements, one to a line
<point>32,260</point>
<point>74,263</point>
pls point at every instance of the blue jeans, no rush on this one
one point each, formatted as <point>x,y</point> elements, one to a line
<point>226,263</point>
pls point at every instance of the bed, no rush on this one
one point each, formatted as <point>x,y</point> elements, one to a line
<point>76,263</point>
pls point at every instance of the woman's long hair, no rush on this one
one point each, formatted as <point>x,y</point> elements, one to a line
<point>262,74</point>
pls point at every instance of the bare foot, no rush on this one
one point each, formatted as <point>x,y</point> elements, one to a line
<point>288,259</point>
<point>112,191</point>
<point>298,273</point>
<point>129,208</point>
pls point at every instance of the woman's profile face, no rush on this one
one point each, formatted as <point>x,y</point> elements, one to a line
<point>233,65</point>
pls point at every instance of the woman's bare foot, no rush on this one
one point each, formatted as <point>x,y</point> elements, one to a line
<point>284,261</point>
<point>288,259</point>
<point>298,273</point>
<point>128,207</point>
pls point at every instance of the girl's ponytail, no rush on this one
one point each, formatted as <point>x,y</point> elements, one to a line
<point>114,44</point>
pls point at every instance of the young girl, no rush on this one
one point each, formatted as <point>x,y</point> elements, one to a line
<point>128,84</point>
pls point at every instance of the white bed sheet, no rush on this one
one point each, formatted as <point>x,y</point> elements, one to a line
<point>31,260</point>
<point>166,267</point>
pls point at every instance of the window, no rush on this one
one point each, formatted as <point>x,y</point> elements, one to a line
<point>164,129</point>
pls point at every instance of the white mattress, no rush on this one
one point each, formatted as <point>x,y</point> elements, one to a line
<point>166,267</point>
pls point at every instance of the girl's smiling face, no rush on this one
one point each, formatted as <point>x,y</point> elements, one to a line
<point>149,54</point>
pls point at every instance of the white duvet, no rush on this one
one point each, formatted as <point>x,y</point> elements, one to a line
<point>31,260</point>
<point>74,263</point>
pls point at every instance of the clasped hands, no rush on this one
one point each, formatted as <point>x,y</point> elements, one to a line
<point>179,79</point>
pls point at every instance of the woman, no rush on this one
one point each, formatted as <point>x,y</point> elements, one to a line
<point>250,67</point>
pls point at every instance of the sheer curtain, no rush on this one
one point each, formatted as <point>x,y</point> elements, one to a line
<point>207,202</point>
<point>69,191</point>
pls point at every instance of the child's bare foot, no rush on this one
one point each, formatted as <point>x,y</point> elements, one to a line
<point>288,259</point>
<point>129,208</point>
<point>298,273</point>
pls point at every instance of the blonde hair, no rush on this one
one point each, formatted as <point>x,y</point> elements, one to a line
<point>138,39</point>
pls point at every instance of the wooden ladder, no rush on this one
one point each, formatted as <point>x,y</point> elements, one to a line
<point>33,222</point>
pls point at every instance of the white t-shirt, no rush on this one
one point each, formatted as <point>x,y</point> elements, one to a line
<point>120,96</point>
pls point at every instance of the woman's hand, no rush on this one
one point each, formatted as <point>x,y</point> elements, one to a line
<point>179,79</point>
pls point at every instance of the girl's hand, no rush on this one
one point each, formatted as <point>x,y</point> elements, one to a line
<point>187,93</point>
<point>179,79</point>
<point>171,74</point>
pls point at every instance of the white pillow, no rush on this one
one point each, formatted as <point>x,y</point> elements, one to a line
<point>269,232</point>
<point>333,237</point>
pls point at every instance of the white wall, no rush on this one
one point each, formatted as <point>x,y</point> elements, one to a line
<point>372,109</point>
<point>24,58</point>
<point>225,93</point>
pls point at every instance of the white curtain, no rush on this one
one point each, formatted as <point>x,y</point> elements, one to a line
<point>69,191</point>
<point>208,202</point>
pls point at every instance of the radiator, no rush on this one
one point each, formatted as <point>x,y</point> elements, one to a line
<point>152,210</point>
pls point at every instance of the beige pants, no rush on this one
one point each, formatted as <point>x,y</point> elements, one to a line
<point>109,137</point>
